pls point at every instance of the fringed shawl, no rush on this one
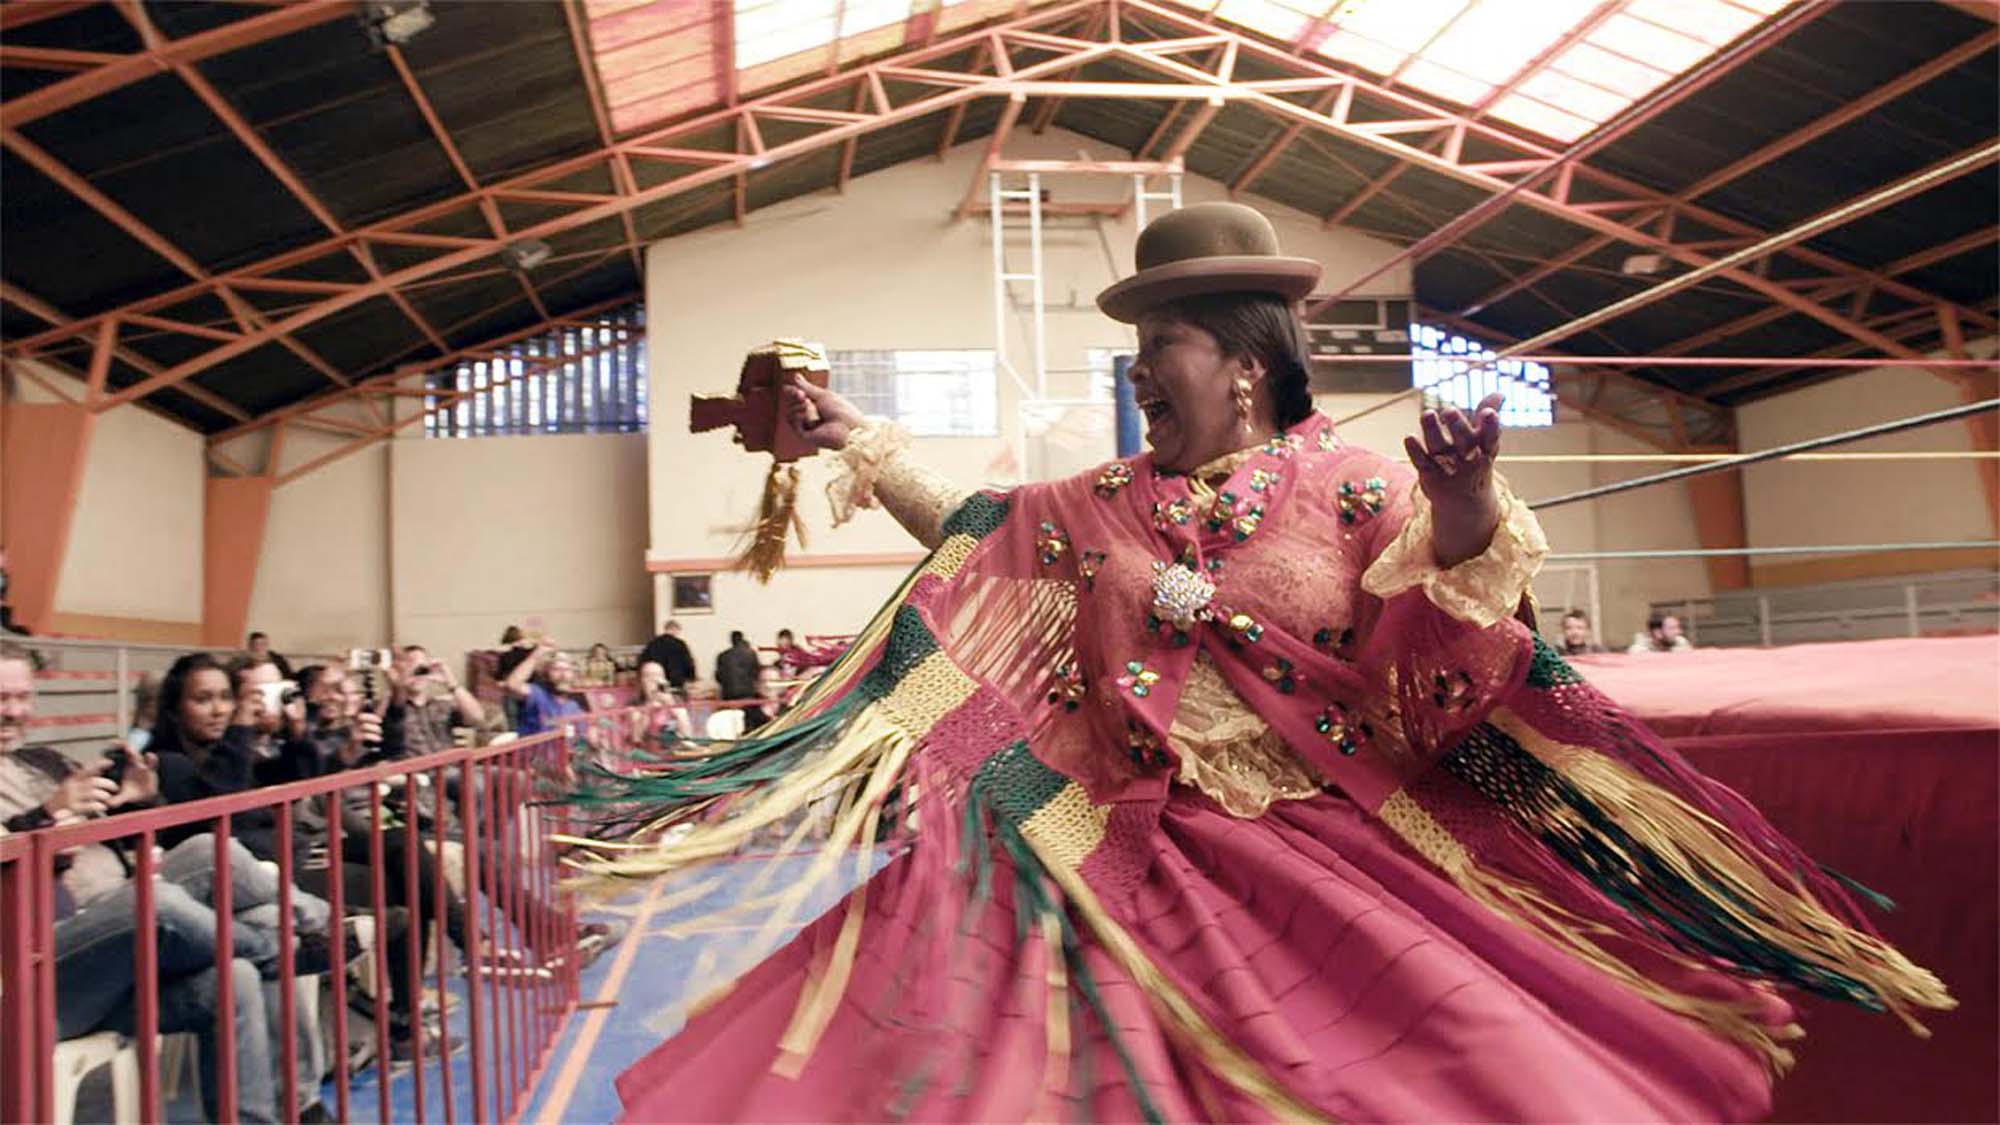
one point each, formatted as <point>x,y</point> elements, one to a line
<point>1005,715</point>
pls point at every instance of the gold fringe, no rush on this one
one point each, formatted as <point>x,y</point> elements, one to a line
<point>1055,1073</point>
<point>777,516</point>
<point>1703,851</point>
<point>1183,1020</point>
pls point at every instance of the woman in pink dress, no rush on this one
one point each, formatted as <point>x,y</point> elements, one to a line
<point>1222,783</point>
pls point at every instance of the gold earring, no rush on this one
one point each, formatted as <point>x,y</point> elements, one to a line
<point>1243,401</point>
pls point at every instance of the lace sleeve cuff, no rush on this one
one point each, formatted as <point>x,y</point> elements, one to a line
<point>876,470</point>
<point>1480,591</point>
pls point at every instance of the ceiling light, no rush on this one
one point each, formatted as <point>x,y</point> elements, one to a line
<point>526,254</point>
<point>395,22</point>
<point>1643,265</point>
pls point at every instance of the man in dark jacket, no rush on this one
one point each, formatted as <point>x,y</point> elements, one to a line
<point>672,655</point>
<point>736,669</point>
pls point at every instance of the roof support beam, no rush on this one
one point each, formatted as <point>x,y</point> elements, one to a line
<point>145,64</point>
<point>621,171</point>
<point>940,89</point>
<point>28,302</point>
<point>1735,170</point>
<point>1561,163</point>
<point>385,384</point>
<point>1730,265</point>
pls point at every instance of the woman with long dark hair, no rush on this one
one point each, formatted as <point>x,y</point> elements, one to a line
<point>205,739</point>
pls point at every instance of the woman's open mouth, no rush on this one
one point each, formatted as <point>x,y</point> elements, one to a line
<point>1156,410</point>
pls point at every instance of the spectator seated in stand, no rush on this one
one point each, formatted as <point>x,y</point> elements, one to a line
<point>96,914</point>
<point>600,669</point>
<point>543,683</point>
<point>1578,637</point>
<point>736,673</point>
<point>1663,634</point>
<point>428,707</point>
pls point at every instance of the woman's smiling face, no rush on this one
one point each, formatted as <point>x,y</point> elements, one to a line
<point>1186,387</point>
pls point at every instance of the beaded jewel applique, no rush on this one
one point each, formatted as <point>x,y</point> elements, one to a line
<point>1088,563</point>
<point>1070,688</point>
<point>1359,501</point>
<point>1144,747</point>
<point>1114,477</point>
<point>1051,543</point>
<point>1138,679</point>
<point>1172,513</point>
<point>1347,734</point>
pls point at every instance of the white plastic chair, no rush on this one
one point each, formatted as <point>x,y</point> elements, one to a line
<point>76,1058</point>
<point>726,724</point>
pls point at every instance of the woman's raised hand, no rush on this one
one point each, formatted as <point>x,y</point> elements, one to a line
<point>820,416</point>
<point>1454,463</point>
<point>1454,457</point>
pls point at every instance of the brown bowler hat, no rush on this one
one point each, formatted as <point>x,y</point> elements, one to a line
<point>1207,248</point>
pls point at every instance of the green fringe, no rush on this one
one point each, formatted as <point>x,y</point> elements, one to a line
<point>1668,905</point>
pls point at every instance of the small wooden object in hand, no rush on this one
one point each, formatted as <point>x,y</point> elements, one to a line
<point>755,409</point>
<point>756,412</point>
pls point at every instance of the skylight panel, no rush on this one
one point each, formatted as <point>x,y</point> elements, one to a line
<point>1544,119</point>
<point>1424,74</point>
<point>857,16</point>
<point>1639,39</point>
<point>1710,21</point>
<point>1364,53</point>
<point>1552,87</point>
<point>1496,39</point>
<point>1630,77</point>
<point>773,29</point>
<point>1406,24</point>
<point>1279,21</point>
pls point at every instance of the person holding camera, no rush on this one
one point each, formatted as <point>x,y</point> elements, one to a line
<point>96,915</point>
<point>427,703</point>
<point>544,685</point>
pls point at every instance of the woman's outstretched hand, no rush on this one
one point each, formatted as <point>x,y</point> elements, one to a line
<point>1454,461</point>
<point>820,416</point>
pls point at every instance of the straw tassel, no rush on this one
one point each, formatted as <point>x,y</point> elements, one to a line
<point>777,517</point>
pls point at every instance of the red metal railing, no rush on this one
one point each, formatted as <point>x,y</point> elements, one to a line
<point>517,937</point>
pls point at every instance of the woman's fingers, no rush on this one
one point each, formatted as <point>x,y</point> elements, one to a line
<point>1463,440</point>
<point>1489,433</point>
<point>1435,440</point>
<point>1421,458</point>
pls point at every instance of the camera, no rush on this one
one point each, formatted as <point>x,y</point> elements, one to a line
<point>119,758</point>
<point>279,695</point>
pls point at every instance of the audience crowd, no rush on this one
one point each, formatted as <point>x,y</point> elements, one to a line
<point>214,725</point>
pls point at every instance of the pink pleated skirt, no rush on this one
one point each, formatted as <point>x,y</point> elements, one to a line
<point>1366,984</point>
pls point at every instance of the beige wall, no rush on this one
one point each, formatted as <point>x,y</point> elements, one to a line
<point>135,539</point>
<point>547,532</point>
<point>881,267</point>
<point>1800,502</point>
<point>323,579</point>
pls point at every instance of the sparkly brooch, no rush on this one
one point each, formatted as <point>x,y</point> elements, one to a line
<point>1138,679</point>
<point>1262,479</point>
<point>1358,501</point>
<point>1346,735</point>
<point>1114,477</point>
<point>1172,513</point>
<point>1087,564</point>
<point>1069,690</point>
<point>1051,543</point>
<point>1181,595</point>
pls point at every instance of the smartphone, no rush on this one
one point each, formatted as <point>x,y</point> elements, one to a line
<point>120,758</point>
